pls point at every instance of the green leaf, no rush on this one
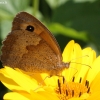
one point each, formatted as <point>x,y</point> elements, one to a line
<point>5,28</point>
<point>81,16</point>
<point>70,32</point>
<point>12,7</point>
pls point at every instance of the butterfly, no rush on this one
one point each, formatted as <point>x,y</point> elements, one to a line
<point>30,46</point>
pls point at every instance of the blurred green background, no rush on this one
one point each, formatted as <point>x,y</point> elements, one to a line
<point>66,19</point>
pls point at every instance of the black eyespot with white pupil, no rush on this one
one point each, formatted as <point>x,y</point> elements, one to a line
<point>30,28</point>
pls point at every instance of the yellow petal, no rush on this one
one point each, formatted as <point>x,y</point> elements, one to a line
<point>22,80</point>
<point>87,60</point>
<point>75,53</point>
<point>76,58</point>
<point>95,85</point>
<point>94,70</point>
<point>9,83</point>
<point>49,81</point>
<point>94,96</point>
<point>15,96</point>
<point>74,99</point>
<point>43,96</point>
<point>68,51</point>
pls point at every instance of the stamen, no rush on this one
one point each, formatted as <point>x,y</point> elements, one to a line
<point>73,79</point>
<point>80,94</point>
<point>88,90</point>
<point>59,85</point>
<point>80,80</point>
<point>72,93</point>
<point>63,80</point>
<point>87,84</point>
<point>71,89</point>
<point>66,93</point>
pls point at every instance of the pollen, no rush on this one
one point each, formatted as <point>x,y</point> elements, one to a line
<point>67,90</point>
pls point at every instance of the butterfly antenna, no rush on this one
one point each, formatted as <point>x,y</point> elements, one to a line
<point>80,57</point>
<point>80,63</point>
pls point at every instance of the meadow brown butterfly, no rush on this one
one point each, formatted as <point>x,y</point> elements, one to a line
<point>31,47</point>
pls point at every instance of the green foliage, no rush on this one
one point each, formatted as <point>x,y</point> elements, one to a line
<point>70,32</point>
<point>83,16</point>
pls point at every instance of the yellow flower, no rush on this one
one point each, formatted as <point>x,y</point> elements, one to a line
<point>82,78</point>
<point>79,82</point>
<point>24,87</point>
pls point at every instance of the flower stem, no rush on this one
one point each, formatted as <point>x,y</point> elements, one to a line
<point>35,7</point>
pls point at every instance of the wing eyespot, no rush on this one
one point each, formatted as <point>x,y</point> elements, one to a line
<point>30,28</point>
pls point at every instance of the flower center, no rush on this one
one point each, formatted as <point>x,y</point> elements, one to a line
<point>71,89</point>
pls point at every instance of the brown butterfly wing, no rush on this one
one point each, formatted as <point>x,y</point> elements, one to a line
<point>25,19</point>
<point>31,50</point>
